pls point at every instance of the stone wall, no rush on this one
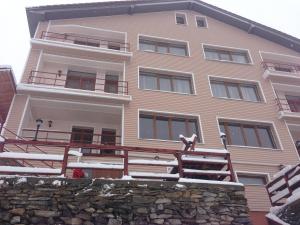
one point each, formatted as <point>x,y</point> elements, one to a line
<point>115,202</point>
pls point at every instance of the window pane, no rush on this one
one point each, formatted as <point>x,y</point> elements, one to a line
<point>252,180</point>
<point>222,128</point>
<point>193,129</point>
<point>162,49</point>
<point>218,90</point>
<point>177,50</point>
<point>147,47</point>
<point>162,128</point>
<point>73,82</point>
<point>211,54</point>
<point>180,19</point>
<point>146,127</point>
<point>249,93</point>
<point>201,23</point>
<point>148,82</point>
<point>265,137</point>
<point>240,57</point>
<point>178,127</point>
<point>165,84</point>
<point>293,103</point>
<point>236,135</point>
<point>88,84</point>
<point>182,86</point>
<point>251,136</point>
<point>224,56</point>
<point>233,91</point>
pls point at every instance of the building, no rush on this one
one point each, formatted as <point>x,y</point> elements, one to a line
<point>139,73</point>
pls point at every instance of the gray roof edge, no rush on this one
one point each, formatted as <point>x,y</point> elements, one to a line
<point>42,13</point>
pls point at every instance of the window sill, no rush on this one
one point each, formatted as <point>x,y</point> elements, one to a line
<point>184,56</point>
<point>170,92</point>
<point>161,140</point>
<point>252,147</point>
<point>226,61</point>
<point>240,100</point>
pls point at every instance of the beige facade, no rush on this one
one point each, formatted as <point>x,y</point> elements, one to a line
<point>67,107</point>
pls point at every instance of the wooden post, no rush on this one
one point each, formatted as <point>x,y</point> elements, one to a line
<point>65,160</point>
<point>126,162</point>
<point>180,170</point>
<point>232,177</point>
<point>1,146</point>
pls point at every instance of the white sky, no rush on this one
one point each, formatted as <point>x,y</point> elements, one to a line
<point>283,15</point>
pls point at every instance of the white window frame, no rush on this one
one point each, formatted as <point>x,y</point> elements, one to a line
<point>254,174</point>
<point>181,14</point>
<point>205,20</point>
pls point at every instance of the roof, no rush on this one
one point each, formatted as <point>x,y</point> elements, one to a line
<point>7,90</point>
<point>68,11</point>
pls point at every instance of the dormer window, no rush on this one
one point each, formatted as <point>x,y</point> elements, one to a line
<point>181,19</point>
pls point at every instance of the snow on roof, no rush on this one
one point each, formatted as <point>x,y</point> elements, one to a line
<point>277,185</point>
<point>202,159</point>
<point>294,180</point>
<point>36,170</point>
<point>279,195</point>
<point>154,162</point>
<point>75,153</point>
<point>219,172</point>
<point>200,181</point>
<point>95,165</point>
<point>211,150</point>
<point>33,156</point>
<point>158,175</point>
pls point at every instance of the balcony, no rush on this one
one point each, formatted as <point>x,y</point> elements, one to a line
<point>106,46</point>
<point>289,108</point>
<point>282,72</point>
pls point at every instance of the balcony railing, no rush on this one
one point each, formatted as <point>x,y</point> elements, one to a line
<point>86,40</point>
<point>95,84</point>
<point>288,105</point>
<point>282,68</point>
<point>64,136</point>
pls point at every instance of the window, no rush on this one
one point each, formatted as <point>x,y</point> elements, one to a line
<point>180,19</point>
<point>86,41</point>
<point>252,179</point>
<point>164,127</point>
<point>111,84</point>
<point>162,82</point>
<point>83,136</point>
<point>226,55</point>
<point>159,46</point>
<point>235,90</point>
<point>201,21</point>
<point>293,102</point>
<point>80,80</point>
<point>244,134</point>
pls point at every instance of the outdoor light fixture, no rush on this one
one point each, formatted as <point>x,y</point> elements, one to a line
<point>39,122</point>
<point>50,123</point>
<point>223,137</point>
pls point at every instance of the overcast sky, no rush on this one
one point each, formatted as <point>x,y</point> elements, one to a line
<point>283,15</point>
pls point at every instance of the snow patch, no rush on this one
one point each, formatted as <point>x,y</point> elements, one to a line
<point>127,178</point>
<point>142,185</point>
<point>180,186</point>
<point>21,180</point>
<point>57,183</point>
<point>40,182</point>
<point>200,181</point>
<point>276,219</point>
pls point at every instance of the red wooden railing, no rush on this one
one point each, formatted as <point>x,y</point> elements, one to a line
<point>65,136</point>
<point>284,185</point>
<point>288,105</point>
<point>86,40</point>
<point>59,79</point>
<point>281,67</point>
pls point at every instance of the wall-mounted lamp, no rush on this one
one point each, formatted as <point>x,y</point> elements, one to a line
<point>39,122</point>
<point>50,122</point>
<point>223,137</point>
<point>59,73</point>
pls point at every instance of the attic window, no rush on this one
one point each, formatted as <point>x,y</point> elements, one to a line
<point>201,21</point>
<point>180,19</point>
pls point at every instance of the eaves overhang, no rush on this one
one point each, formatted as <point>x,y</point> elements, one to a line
<point>69,11</point>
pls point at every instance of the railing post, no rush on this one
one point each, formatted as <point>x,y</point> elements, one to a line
<point>180,169</point>
<point>2,145</point>
<point>65,160</point>
<point>232,177</point>
<point>126,162</point>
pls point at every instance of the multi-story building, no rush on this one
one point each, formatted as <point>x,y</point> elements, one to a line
<point>139,73</point>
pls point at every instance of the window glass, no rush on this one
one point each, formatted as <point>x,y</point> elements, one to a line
<point>178,127</point>
<point>180,19</point>
<point>293,102</point>
<point>265,137</point>
<point>162,49</point>
<point>252,180</point>
<point>224,56</point>
<point>146,127</point>
<point>162,128</point>
<point>211,54</point>
<point>176,50</point>
<point>236,134</point>
<point>147,46</point>
<point>249,93</point>
<point>251,136</point>
<point>193,129</point>
<point>233,91</point>
<point>239,57</point>
<point>219,90</point>
<point>201,22</point>
<point>148,82</point>
<point>182,86</point>
<point>165,84</point>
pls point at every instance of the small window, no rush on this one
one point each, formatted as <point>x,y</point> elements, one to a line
<point>252,179</point>
<point>228,55</point>
<point>165,82</point>
<point>201,21</point>
<point>235,90</point>
<point>244,134</point>
<point>180,19</point>
<point>165,127</point>
<point>164,47</point>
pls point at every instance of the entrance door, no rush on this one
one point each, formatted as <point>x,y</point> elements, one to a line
<point>111,84</point>
<point>83,136</point>
<point>108,137</point>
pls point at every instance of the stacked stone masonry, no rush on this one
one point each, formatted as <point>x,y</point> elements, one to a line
<point>119,202</point>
